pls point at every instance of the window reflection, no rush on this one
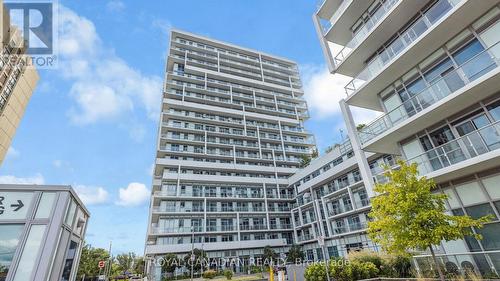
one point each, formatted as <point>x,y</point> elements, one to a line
<point>9,238</point>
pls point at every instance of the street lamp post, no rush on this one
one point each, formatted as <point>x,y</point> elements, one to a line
<point>192,252</point>
<point>321,242</point>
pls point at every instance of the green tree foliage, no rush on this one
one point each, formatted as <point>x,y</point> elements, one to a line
<point>138,267</point>
<point>295,254</point>
<point>199,260</point>
<point>89,261</point>
<point>407,215</point>
<point>269,254</point>
<point>125,262</point>
<point>305,160</point>
<point>170,263</point>
<point>360,127</point>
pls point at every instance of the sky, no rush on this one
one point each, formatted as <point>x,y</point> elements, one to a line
<point>92,122</point>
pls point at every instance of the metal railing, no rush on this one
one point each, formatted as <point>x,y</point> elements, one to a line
<point>412,34</point>
<point>363,31</point>
<point>476,67</point>
<point>475,143</point>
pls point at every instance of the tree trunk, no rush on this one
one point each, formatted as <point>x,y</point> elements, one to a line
<point>441,276</point>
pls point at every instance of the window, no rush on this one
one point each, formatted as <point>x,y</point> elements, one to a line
<point>333,251</point>
<point>310,255</point>
<point>480,211</point>
<point>319,253</point>
<point>9,238</point>
<point>491,239</point>
<point>492,186</point>
<point>68,264</point>
<point>472,61</point>
<point>30,253</point>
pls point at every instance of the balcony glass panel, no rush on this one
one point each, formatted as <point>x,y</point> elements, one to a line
<point>441,86</point>
<point>472,144</point>
<point>399,44</point>
<point>363,31</point>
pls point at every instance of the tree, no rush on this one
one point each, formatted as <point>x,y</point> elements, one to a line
<point>125,262</point>
<point>269,254</point>
<point>409,215</point>
<point>89,261</point>
<point>170,263</point>
<point>199,260</point>
<point>295,254</point>
<point>360,127</point>
<point>138,266</point>
<point>305,159</point>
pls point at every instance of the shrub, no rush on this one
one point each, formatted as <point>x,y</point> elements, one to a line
<point>377,259</point>
<point>228,274</point>
<point>363,270</point>
<point>400,267</point>
<point>209,274</point>
<point>315,272</point>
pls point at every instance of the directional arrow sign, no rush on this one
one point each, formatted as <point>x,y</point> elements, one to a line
<point>17,206</point>
<point>14,205</point>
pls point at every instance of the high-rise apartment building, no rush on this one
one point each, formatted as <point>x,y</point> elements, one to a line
<point>17,81</point>
<point>231,133</point>
<point>432,68</point>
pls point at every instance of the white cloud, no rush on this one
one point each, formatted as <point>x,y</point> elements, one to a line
<point>323,92</point>
<point>12,153</point>
<point>115,6</point>
<point>9,179</point>
<point>134,195</point>
<point>104,87</point>
<point>92,195</point>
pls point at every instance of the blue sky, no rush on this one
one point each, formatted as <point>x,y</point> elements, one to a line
<point>92,122</point>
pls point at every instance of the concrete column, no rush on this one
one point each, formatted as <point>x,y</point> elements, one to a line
<point>359,154</point>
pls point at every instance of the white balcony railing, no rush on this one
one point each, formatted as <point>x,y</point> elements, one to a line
<point>363,31</point>
<point>468,146</point>
<point>400,44</point>
<point>476,67</point>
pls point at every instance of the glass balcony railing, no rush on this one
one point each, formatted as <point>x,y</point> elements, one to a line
<point>475,143</point>
<point>306,237</point>
<point>400,44</point>
<point>364,30</point>
<point>188,229</point>
<point>479,65</point>
<point>253,227</point>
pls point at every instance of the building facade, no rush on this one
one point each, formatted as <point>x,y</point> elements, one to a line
<point>17,81</point>
<point>231,133</point>
<point>42,230</point>
<point>432,69</point>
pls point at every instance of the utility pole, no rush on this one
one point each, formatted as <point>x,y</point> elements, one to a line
<point>107,271</point>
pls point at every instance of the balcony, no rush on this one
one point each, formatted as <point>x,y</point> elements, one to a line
<point>158,230</point>
<point>478,150</point>
<point>473,81</point>
<point>281,226</point>
<point>177,210</point>
<point>253,227</point>
<point>361,33</point>
<point>439,25</point>
<point>306,237</point>
<point>340,20</point>
<point>432,16</point>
